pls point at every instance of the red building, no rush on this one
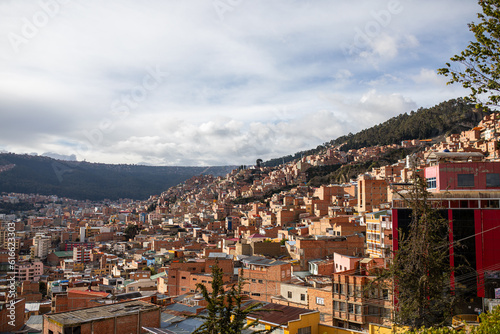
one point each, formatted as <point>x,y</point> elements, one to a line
<point>468,195</point>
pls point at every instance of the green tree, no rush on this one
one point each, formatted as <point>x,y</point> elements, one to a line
<point>489,324</point>
<point>42,287</point>
<point>226,312</point>
<point>131,231</point>
<point>479,63</point>
<point>421,270</point>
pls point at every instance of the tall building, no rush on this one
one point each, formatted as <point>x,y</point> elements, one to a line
<point>467,194</point>
<point>41,246</point>
<point>379,233</point>
<point>371,193</point>
<point>81,254</point>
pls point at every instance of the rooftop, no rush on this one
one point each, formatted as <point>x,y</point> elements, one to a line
<point>280,314</point>
<point>100,312</point>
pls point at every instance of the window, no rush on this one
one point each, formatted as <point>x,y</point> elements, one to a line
<point>385,294</point>
<point>304,330</point>
<point>183,277</point>
<point>358,309</point>
<point>72,330</point>
<point>336,305</point>
<point>302,296</point>
<point>261,281</point>
<point>255,294</point>
<point>289,294</point>
<point>465,180</point>
<point>336,288</point>
<point>320,301</point>
<point>350,308</point>
<point>350,290</point>
<point>341,289</point>
<point>357,290</point>
<point>493,180</point>
<point>253,280</point>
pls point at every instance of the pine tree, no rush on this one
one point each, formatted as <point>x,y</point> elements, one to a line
<point>227,311</point>
<point>421,271</point>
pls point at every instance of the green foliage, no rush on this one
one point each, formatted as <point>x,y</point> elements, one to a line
<point>83,180</point>
<point>6,207</point>
<point>479,63</point>
<point>489,324</point>
<point>42,288</point>
<point>131,231</point>
<point>226,312</point>
<point>151,269</point>
<point>452,116</point>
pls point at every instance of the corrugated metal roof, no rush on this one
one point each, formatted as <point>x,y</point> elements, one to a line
<point>32,307</point>
<point>262,261</point>
<point>182,308</point>
<point>101,312</point>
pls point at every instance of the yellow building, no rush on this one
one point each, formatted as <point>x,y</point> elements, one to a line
<point>378,234</point>
<point>295,320</point>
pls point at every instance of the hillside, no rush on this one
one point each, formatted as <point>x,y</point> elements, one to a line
<point>83,180</point>
<point>448,117</point>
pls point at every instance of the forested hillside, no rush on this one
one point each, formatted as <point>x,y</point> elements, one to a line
<point>83,180</point>
<point>448,117</point>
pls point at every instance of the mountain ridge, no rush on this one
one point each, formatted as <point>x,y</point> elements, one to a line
<point>93,181</point>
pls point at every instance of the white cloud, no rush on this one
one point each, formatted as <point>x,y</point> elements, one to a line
<point>250,82</point>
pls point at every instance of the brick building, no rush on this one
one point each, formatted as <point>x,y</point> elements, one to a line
<point>264,276</point>
<point>182,277</point>
<point>371,193</point>
<point>355,303</point>
<point>125,318</point>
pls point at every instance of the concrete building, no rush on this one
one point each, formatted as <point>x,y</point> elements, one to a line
<point>379,234</point>
<point>28,271</point>
<point>41,247</point>
<point>81,254</point>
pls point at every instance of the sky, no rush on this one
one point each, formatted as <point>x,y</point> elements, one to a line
<point>216,82</point>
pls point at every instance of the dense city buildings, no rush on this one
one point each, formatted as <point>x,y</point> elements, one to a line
<point>313,251</point>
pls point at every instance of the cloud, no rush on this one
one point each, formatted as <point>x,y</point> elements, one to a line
<point>429,76</point>
<point>53,155</point>
<point>257,79</point>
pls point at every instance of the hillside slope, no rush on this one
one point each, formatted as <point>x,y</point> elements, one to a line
<point>83,180</point>
<point>448,117</point>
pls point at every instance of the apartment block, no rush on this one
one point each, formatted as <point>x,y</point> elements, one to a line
<point>264,276</point>
<point>371,193</point>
